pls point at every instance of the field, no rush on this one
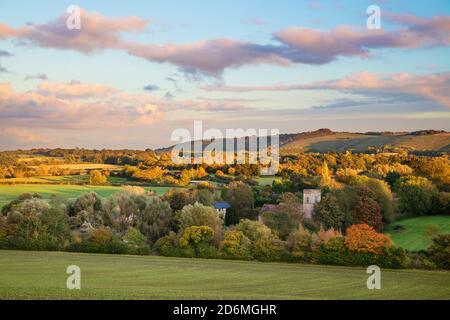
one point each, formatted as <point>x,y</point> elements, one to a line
<point>411,237</point>
<point>11,192</point>
<point>42,275</point>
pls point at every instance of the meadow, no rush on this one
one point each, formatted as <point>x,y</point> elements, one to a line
<point>411,237</point>
<point>42,275</point>
<point>11,192</point>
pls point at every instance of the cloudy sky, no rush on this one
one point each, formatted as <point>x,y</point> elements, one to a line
<point>137,70</point>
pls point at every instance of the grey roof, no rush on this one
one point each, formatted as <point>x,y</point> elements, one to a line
<point>221,205</point>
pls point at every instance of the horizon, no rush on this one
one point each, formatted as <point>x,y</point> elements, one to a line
<point>135,72</point>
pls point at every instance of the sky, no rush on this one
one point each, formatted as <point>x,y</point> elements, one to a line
<point>135,71</point>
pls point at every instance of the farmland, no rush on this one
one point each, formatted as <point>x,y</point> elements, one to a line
<point>11,192</point>
<point>410,236</point>
<point>42,275</point>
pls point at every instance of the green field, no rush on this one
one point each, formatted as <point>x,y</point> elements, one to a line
<point>42,275</point>
<point>267,180</point>
<point>411,237</point>
<point>11,192</point>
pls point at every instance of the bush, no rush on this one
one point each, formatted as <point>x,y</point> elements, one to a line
<point>439,251</point>
<point>363,238</point>
<point>235,246</point>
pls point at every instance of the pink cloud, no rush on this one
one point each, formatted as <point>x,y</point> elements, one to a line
<point>434,87</point>
<point>75,89</point>
<point>211,57</point>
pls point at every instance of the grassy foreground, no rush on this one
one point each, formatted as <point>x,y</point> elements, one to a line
<point>411,238</point>
<point>42,275</point>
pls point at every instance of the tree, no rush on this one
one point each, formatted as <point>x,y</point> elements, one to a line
<point>87,208</point>
<point>328,213</point>
<point>299,244</point>
<point>413,200</point>
<point>363,238</point>
<point>240,196</point>
<point>285,217</point>
<point>253,229</point>
<point>439,251</point>
<point>383,196</point>
<point>200,215</point>
<point>235,245</point>
<point>97,178</point>
<point>155,220</point>
<point>199,240</point>
<point>366,209</point>
<point>325,179</point>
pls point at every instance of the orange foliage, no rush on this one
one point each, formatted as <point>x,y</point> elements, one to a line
<point>363,238</point>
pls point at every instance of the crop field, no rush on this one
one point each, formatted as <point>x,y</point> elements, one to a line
<point>42,275</point>
<point>411,236</point>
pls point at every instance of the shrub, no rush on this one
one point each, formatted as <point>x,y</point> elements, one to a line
<point>235,246</point>
<point>363,238</point>
<point>439,251</point>
<point>197,240</point>
<point>299,244</point>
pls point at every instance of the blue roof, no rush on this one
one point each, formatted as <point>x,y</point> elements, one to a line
<point>221,205</point>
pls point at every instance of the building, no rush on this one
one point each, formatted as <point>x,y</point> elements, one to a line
<point>221,208</point>
<point>310,198</point>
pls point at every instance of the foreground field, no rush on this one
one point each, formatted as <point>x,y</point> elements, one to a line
<point>11,192</point>
<point>411,238</point>
<point>42,275</point>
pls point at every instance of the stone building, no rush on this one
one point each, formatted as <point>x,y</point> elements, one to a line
<point>310,198</point>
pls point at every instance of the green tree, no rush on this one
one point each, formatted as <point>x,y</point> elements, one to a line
<point>200,215</point>
<point>240,196</point>
<point>328,213</point>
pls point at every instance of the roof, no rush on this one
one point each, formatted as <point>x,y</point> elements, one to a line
<point>268,207</point>
<point>310,191</point>
<point>221,205</point>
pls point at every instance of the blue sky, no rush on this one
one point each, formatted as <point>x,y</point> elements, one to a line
<point>267,44</point>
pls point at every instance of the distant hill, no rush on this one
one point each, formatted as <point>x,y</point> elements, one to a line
<point>325,140</point>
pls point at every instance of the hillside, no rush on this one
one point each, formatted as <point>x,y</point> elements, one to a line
<point>325,140</point>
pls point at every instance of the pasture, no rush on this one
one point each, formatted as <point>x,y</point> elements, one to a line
<point>11,192</point>
<point>410,236</point>
<point>42,275</point>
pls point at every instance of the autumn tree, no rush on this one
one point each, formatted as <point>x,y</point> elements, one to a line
<point>97,178</point>
<point>367,210</point>
<point>363,238</point>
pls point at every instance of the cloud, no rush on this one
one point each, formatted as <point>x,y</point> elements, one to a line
<point>58,105</point>
<point>97,32</point>
<point>22,136</point>
<point>431,86</point>
<point>151,87</point>
<point>211,57</point>
<point>74,90</point>
<point>3,69</point>
<point>5,54</point>
<point>37,76</point>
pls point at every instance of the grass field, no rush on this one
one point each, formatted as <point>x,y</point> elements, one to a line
<point>11,192</point>
<point>42,275</point>
<point>411,237</point>
<point>267,180</point>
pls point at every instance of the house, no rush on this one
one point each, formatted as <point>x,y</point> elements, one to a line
<point>310,198</point>
<point>221,208</point>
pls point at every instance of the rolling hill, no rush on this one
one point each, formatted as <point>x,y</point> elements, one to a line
<point>325,140</point>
